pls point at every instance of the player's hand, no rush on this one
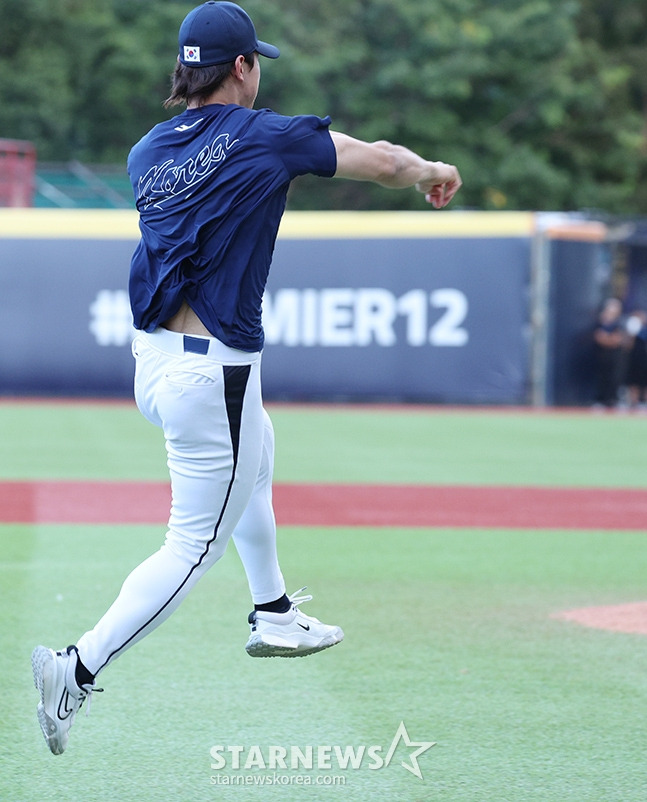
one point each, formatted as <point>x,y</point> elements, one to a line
<point>441,187</point>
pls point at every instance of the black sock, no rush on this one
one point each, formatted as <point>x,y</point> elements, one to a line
<point>281,605</point>
<point>81,674</point>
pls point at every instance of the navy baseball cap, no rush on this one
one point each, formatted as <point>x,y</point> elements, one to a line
<point>218,32</point>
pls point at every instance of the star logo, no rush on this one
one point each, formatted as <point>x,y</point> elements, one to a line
<point>401,734</point>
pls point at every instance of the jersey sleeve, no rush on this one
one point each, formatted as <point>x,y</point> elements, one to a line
<point>304,145</point>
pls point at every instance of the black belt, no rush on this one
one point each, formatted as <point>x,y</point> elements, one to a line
<point>196,345</point>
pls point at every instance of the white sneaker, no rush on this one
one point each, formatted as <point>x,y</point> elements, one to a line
<point>290,634</point>
<point>60,696</point>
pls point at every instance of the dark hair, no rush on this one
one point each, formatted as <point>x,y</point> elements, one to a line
<point>198,83</point>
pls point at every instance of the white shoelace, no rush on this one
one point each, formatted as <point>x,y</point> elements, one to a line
<point>296,599</point>
<point>87,691</point>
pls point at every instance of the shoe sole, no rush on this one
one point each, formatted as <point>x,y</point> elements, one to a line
<point>257,647</point>
<point>42,660</point>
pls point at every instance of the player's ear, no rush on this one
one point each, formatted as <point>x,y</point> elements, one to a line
<point>237,70</point>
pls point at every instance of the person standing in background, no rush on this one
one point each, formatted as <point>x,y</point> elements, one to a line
<point>636,374</point>
<point>608,338</point>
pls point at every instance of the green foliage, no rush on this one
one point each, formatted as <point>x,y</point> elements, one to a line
<point>540,103</point>
<point>519,95</point>
<point>84,79</point>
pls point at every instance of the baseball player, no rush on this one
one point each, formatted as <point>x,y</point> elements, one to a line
<point>210,187</point>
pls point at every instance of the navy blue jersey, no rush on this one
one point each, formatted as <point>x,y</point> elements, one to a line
<point>210,186</point>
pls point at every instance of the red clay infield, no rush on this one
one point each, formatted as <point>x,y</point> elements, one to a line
<point>363,505</point>
<point>343,505</point>
<point>631,618</point>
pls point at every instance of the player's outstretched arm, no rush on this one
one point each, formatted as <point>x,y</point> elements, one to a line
<point>396,167</point>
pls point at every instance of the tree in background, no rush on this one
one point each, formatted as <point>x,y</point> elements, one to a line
<point>614,35</point>
<point>523,96</point>
<point>84,79</point>
<point>541,103</point>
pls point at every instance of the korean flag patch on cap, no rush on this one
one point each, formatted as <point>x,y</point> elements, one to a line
<point>192,53</point>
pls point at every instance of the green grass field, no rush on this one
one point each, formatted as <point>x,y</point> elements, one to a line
<point>448,631</point>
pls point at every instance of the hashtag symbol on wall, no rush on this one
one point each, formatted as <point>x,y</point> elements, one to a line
<point>111,320</point>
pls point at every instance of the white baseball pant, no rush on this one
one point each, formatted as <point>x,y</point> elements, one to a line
<point>220,445</point>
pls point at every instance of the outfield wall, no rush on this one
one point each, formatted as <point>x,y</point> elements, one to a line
<point>424,306</point>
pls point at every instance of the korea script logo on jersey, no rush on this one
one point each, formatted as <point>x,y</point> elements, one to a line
<point>169,180</point>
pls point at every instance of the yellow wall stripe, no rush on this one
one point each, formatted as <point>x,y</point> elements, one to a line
<point>405,225</point>
<point>68,224</point>
<point>122,224</point>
